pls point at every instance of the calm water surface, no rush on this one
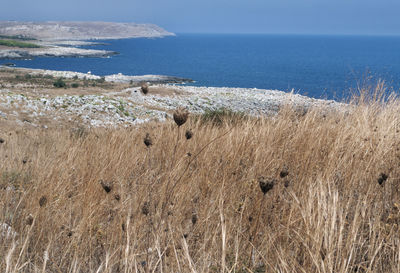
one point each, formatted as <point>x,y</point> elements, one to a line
<point>318,66</point>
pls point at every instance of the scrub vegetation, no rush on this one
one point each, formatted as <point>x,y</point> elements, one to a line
<point>309,192</point>
<point>13,43</point>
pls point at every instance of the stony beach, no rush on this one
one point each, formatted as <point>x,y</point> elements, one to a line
<point>123,103</point>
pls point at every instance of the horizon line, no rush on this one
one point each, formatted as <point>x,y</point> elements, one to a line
<point>286,33</point>
<point>217,32</point>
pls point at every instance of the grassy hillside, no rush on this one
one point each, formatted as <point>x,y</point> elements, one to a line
<point>13,43</point>
<point>293,193</point>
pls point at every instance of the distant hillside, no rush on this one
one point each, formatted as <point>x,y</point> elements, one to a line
<point>80,30</point>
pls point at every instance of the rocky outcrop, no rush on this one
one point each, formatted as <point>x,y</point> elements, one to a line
<point>121,78</point>
<point>56,51</point>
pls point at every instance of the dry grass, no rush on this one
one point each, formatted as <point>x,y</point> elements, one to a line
<point>101,201</point>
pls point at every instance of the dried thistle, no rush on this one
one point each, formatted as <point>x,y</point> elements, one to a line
<point>29,220</point>
<point>106,186</point>
<point>168,251</point>
<point>147,140</point>
<point>284,172</point>
<point>194,218</point>
<point>117,197</point>
<point>286,183</point>
<point>382,178</point>
<point>43,201</point>
<point>146,208</point>
<point>266,184</point>
<point>188,134</point>
<point>144,88</point>
<point>180,116</point>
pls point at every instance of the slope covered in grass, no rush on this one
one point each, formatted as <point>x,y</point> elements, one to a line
<point>13,43</point>
<point>292,193</point>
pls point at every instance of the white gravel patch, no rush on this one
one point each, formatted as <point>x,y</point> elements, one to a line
<point>250,101</point>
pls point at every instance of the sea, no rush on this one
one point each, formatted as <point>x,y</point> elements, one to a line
<point>329,67</point>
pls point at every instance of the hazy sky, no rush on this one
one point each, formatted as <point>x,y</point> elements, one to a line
<point>221,16</point>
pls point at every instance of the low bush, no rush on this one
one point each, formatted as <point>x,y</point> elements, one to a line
<point>60,83</point>
<point>222,115</point>
<point>101,80</point>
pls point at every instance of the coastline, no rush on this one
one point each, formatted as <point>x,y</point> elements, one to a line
<point>121,78</point>
<point>54,51</point>
<point>123,104</point>
<point>60,39</point>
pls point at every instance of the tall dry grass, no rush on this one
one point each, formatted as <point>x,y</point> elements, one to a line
<point>103,201</point>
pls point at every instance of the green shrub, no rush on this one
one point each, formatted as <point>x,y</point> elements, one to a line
<point>59,83</point>
<point>75,85</point>
<point>222,115</point>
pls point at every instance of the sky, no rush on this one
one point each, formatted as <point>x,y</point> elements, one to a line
<point>364,17</point>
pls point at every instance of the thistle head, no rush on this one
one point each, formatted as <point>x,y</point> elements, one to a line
<point>284,172</point>
<point>43,201</point>
<point>266,184</point>
<point>147,140</point>
<point>29,220</point>
<point>188,134</point>
<point>107,187</point>
<point>146,208</point>
<point>382,178</point>
<point>144,88</point>
<point>180,116</point>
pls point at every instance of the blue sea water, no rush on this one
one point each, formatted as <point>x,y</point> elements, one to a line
<point>317,66</point>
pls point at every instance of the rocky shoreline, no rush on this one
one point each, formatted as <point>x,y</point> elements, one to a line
<point>127,106</point>
<point>121,78</point>
<point>60,39</point>
<point>54,51</point>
